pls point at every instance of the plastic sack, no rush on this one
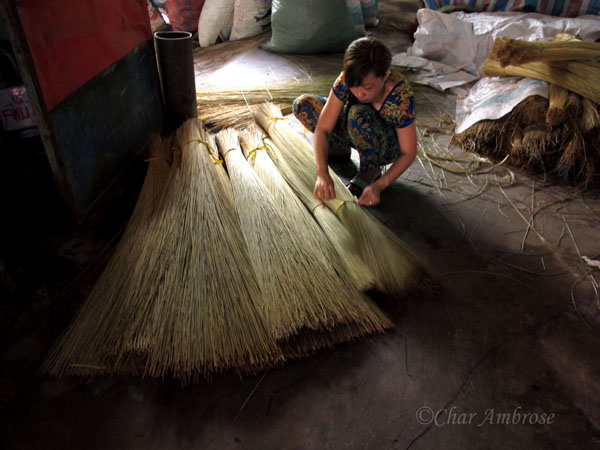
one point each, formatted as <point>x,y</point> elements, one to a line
<point>459,43</point>
<point>215,20</point>
<point>493,97</point>
<point>156,20</point>
<point>183,14</point>
<point>310,26</point>
<point>357,15</point>
<point>250,17</point>
<point>369,11</point>
<point>565,8</point>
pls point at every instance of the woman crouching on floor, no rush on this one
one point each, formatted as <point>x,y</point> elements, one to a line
<point>369,109</point>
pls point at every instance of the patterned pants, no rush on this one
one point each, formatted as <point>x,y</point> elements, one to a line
<point>359,126</point>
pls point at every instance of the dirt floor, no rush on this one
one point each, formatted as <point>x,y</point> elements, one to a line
<point>504,354</point>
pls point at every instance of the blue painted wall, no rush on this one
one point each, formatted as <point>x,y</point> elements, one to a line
<point>101,127</point>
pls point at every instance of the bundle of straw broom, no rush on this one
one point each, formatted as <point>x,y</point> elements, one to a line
<point>204,317</point>
<point>360,273</point>
<point>178,297</point>
<point>340,248</point>
<point>314,238</point>
<point>395,266</point>
<point>299,291</point>
<point>83,348</point>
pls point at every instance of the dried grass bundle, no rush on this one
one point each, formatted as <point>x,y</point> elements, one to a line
<point>315,240</point>
<point>564,150</point>
<point>83,349</point>
<point>557,99</point>
<point>499,137</point>
<point>204,317</point>
<point>516,143</point>
<point>536,140</point>
<point>573,107</point>
<point>299,291</point>
<point>572,156</point>
<point>184,304</point>
<point>516,52</point>
<point>345,258</point>
<point>590,118</point>
<point>395,265</point>
<point>361,274</point>
<point>481,137</point>
<point>576,76</point>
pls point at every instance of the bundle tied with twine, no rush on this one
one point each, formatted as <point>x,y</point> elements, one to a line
<point>339,249</point>
<point>360,273</point>
<point>564,47</point>
<point>205,317</point>
<point>299,292</point>
<point>395,266</point>
<point>88,346</point>
<point>313,237</point>
<point>187,303</point>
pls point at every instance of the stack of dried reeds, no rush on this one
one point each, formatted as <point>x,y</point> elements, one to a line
<point>559,135</point>
<point>394,265</point>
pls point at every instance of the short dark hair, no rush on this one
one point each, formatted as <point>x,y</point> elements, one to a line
<point>364,55</point>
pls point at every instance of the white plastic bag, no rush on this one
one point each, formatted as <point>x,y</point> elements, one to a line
<point>216,18</point>
<point>494,97</point>
<point>357,15</point>
<point>250,17</point>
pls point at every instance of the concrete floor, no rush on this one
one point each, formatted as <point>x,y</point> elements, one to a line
<point>505,355</point>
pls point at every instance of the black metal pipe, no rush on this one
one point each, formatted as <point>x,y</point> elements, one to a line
<point>175,61</point>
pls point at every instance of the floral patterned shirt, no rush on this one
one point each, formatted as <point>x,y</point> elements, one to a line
<point>398,108</point>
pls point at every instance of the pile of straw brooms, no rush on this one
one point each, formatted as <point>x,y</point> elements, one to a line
<point>559,135</point>
<point>228,263</point>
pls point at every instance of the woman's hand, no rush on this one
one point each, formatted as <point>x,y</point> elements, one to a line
<point>370,196</point>
<point>324,189</point>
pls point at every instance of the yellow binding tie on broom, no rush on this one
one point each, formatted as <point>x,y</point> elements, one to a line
<point>210,150</point>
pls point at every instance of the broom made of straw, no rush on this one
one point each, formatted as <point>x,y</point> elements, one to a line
<point>557,99</point>
<point>205,316</point>
<point>309,231</point>
<point>298,290</point>
<point>359,272</point>
<point>83,348</point>
<point>395,265</point>
<point>330,235</point>
<point>188,307</point>
<point>306,341</point>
